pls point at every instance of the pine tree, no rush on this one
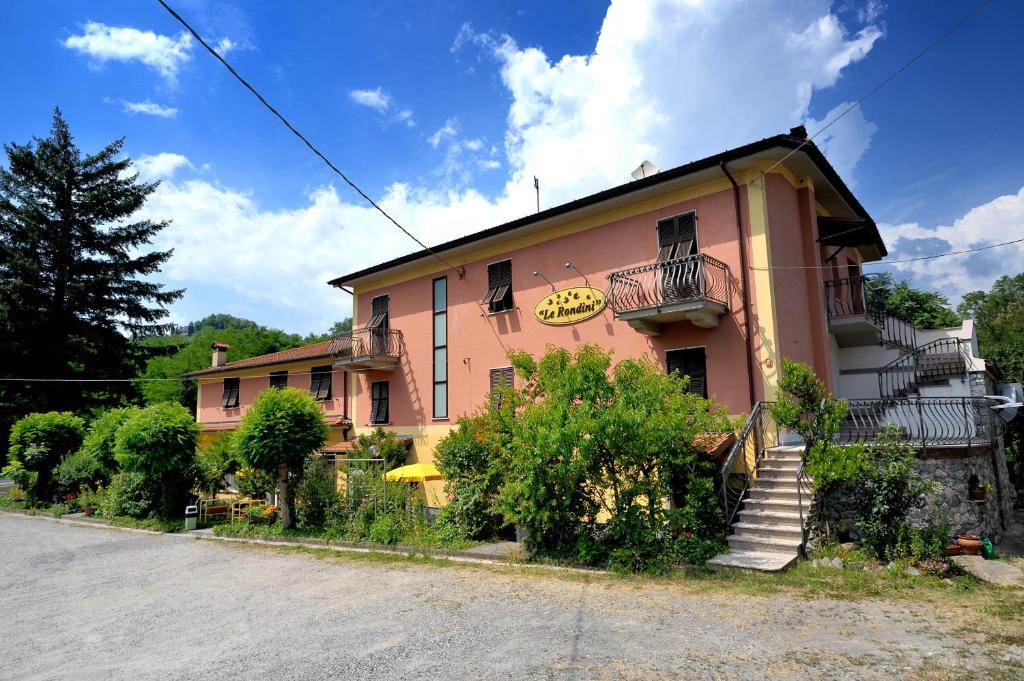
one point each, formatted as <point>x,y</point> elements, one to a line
<point>75,277</point>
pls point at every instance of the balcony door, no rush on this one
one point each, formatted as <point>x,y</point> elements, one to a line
<point>379,325</point>
<point>680,273</point>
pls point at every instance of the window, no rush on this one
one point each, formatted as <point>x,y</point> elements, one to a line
<point>499,287</point>
<point>379,401</point>
<point>379,324</point>
<point>677,236</point>
<point>690,362</point>
<point>229,400</point>
<point>278,379</point>
<point>440,297</point>
<point>320,382</point>
<point>501,379</point>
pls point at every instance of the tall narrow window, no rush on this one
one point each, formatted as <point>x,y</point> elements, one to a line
<point>320,382</point>
<point>278,379</point>
<point>499,286</point>
<point>440,296</point>
<point>229,400</point>
<point>677,236</point>
<point>691,362</point>
<point>379,397</point>
<point>501,379</point>
<point>379,325</point>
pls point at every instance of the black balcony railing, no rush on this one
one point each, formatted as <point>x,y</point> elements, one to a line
<point>683,280</point>
<point>368,342</point>
<point>862,296</point>
<point>938,360</point>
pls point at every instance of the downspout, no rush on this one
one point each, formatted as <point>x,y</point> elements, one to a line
<point>744,280</point>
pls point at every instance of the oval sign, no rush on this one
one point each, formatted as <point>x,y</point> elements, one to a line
<point>569,306</point>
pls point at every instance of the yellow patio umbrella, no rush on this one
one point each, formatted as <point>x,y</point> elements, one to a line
<point>415,472</point>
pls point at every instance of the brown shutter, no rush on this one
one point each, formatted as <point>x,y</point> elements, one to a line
<point>687,234</point>
<point>693,363</point>
<point>229,399</point>
<point>379,312</point>
<point>379,402</point>
<point>667,233</point>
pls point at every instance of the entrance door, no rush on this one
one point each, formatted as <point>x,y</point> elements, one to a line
<point>690,362</point>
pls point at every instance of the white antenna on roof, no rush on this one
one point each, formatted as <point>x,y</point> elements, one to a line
<point>645,169</point>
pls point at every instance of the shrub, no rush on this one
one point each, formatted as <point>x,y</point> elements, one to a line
<point>279,432</point>
<point>316,494</point>
<point>100,439</point>
<point>590,441</point>
<point>389,447</point>
<point>22,478</point>
<point>255,484</point>
<point>886,493</point>
<point>130,493</point>
<point>39,442</point>
<point>215,461</point>
<point>385,530</point>
<point>77,469</point>
<point>159,443</point>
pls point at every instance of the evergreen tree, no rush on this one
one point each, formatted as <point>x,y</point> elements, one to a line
<point>75,276</point>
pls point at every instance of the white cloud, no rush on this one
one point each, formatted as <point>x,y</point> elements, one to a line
<point>405,116</point>
<point>446,132</point>
<point>668,80</point>
<point>160,166</point>
<point>225,45</point>
<point>996,221</point>
<point>149,108</point>
<point>375,99</point>
<point>103,43</point>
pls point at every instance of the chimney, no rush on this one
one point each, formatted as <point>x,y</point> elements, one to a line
<point>799,132</point>
<point>220,354</point>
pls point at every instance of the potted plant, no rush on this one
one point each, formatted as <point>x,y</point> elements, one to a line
<point>980,493</point>
<point>88,500</point>
<point>970,543</point>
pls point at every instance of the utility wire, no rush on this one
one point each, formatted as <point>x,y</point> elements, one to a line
<point>893,262</point>
<point>963,20</point>
<point>458,270</point>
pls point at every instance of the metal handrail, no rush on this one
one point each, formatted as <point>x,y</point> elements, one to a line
<point>682,280</point>
<point>938,359</point>
<point>366,341</point>
<point>745,458</point>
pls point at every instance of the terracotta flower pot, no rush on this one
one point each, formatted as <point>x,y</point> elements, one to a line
<point>970,543</point>
<point>977,494</point>
<point>88,510</point>
<point>954,550</point>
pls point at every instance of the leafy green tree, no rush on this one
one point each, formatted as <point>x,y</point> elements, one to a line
<point>924,309</point>
<point>159,443</point>
<point>281,430</point>
<point>591,441</point>
<point>214,461</point>
<point>38,443</point>
<point>388,447</point>
<point>100,439</point>
<point>76,278</point>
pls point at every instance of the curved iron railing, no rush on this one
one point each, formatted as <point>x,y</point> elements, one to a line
<point>937,360</point>
<point>368,341</point>
<point>855,296</point>
<point>759,432</point>
<point>695,277</point>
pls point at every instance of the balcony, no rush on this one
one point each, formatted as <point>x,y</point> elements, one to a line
<point>857,315</point>
<point>695,288</point>
<point>368,349</point>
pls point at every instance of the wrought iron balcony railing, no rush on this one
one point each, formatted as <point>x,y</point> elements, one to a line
<point>859,296</point>
<point>657,285</point>
<point>368,348</point>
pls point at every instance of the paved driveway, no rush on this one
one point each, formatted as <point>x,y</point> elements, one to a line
<point>98,603</point>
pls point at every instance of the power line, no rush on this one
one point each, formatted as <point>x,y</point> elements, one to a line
<point>894,262</point>
<point>963,20</point>
<point>458,270</point>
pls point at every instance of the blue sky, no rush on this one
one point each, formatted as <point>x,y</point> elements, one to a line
<point>445,111</point>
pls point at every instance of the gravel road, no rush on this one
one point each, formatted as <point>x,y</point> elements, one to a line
<point>99,603</point>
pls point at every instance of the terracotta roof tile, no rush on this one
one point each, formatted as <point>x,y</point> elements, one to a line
<point>314,351</point>
<point>713,443</point>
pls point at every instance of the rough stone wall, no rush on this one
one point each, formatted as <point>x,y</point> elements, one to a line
<point>980,385</point>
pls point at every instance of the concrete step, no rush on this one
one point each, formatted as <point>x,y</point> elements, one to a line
<point>771,471</point>
<point>787,484</point>
<point>786,449</point>
<point>762,544</point>
<point>781,464</point>
<point>745,529</point>
<point>762,517</point>
<point>785,505</point>
<point>738,559</point>
<point>776,494</point>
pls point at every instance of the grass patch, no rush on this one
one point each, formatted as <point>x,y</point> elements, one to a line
<point>423,538</point>
<point>151,524</point>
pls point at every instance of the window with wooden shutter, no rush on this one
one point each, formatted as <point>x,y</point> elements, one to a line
<point>320,382</point>
<point>229,400</point>
<point>691,362</point>
<point>499,287</point>
<point>379,394</point>
<point>677,236</point>
<point>440,303</point>
<point>379,312</point>
<point>278,379</point>
<point>501,379</point>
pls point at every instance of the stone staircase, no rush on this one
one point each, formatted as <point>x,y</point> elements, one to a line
<point>767,535</point>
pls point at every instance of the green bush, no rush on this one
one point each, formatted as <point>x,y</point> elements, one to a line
<point>39,442</point>
<point>389,447</point>
<point>255,484</point>
<point>130,493</point>
<point>316,494</point>
<point>159,443</point>
<point>215,461</point>
<point>886,493</point>
<point>77,469</point>
<point>280,431</point>
<point>100,440</point>
<point>385,530</point>
<point>22,478</point>
<point>591,441</point>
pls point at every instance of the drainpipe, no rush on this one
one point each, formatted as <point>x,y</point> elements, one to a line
<point>744,276</point>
